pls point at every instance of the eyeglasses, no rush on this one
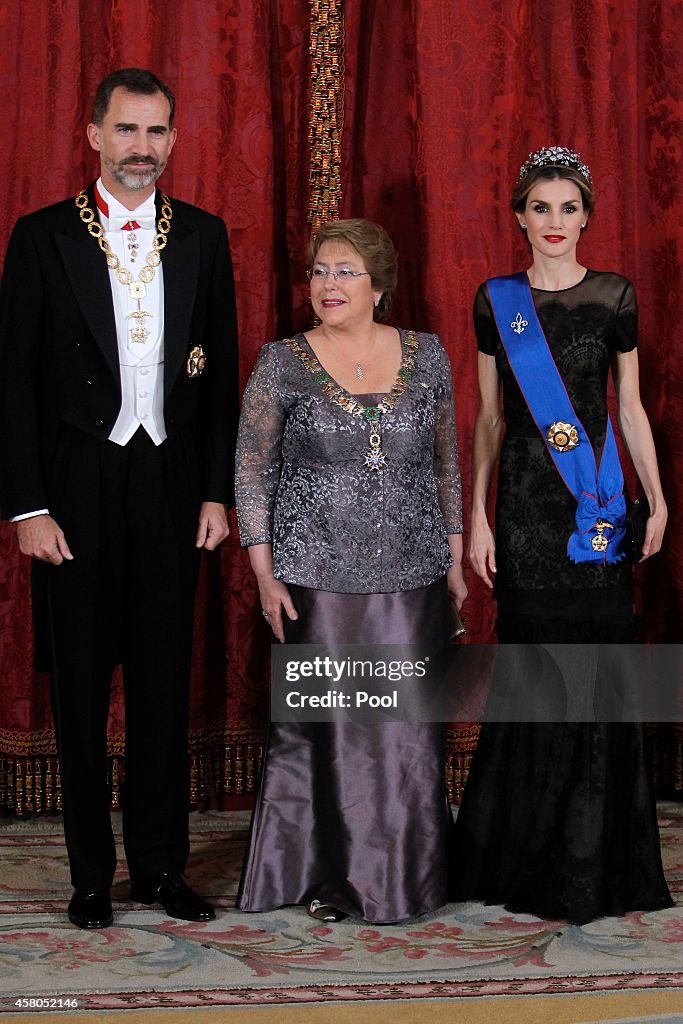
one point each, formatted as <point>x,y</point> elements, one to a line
<point>320,274</point>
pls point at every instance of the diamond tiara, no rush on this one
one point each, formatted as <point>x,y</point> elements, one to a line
<point>549,156</point>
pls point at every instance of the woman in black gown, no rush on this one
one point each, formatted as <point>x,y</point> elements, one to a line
<point>348,497</point>
<point>558,819</point>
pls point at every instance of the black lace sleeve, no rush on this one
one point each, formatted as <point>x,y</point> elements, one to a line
<point>484,323</point>
<point>626,325</point>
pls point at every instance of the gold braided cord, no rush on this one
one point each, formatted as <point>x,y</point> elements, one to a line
<point>327,110</point>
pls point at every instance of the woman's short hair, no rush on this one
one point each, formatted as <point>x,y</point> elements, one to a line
<point>375,248</point>
<point>551,172</point>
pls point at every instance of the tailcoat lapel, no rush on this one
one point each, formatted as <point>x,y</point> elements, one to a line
<point>86,268</point>
<point>180,260</point>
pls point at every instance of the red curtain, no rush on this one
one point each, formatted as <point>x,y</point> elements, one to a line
<point>240,73</point>
<point>443,100</point>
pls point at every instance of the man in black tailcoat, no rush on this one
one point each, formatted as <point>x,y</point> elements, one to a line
<point>118,408</point>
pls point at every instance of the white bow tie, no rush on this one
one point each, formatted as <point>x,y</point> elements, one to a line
<point>143,220</point>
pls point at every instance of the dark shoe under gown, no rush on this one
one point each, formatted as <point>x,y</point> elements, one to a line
<point>355,815</point>
<point>559,819</point>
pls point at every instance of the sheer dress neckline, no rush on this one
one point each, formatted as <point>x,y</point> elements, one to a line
<point>401,337</point>
<point>559,291</point>
<point>410,345</point>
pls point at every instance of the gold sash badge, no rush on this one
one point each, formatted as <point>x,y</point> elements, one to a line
<point>562,436</point>
<point>196,361</point>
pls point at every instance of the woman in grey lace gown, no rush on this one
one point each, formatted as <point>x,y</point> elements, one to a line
<point>558,818</point>
<point>348,498</point>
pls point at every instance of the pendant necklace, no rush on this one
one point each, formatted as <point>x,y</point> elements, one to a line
<point>360,372</point>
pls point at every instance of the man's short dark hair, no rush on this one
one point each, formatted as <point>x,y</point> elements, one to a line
<point>134,80</point>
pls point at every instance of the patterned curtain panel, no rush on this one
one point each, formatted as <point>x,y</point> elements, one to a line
<point>415,113</point>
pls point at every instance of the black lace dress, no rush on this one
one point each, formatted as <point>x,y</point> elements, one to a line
<point>559,820</point>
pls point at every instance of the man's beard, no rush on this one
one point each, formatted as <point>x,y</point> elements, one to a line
<point>134,180</point>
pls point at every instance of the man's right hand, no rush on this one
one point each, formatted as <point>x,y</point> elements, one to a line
<point>40,537</point>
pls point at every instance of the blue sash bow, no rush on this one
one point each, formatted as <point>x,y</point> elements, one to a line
<point>600,534</point>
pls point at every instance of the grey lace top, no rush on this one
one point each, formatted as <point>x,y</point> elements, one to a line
<point>302,484</point>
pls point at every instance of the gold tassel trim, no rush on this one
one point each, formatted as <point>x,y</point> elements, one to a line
<point>224,769</point>
<point>327,110</point>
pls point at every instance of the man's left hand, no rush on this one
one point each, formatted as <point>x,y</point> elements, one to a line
<point>213,525</point>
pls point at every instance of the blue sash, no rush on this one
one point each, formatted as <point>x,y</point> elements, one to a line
<point>600,534</point>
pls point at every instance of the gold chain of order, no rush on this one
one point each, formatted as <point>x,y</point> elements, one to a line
<point>346,401</point>
<point>375,459</point>
<point>152,259</point>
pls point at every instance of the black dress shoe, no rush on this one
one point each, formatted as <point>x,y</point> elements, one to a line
<point>90,909</point>
<point>175,896</point>
<point>324,912</point>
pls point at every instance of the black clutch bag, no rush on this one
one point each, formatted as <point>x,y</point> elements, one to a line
<point>457,625</point>
<point>638,515</point>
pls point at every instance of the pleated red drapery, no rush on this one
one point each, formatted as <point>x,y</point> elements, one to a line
<point>443,100</point>
<point>240,74</point>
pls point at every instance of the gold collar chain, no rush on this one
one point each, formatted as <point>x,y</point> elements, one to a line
<point>375,458</point>
<point>136,289</point>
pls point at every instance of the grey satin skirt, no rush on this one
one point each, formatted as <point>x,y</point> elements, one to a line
<point>355,815</point>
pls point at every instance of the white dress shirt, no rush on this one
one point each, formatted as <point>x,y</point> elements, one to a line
<point>142,363</point>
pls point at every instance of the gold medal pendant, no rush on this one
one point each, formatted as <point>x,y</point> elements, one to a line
<point>196,361</point>
<point>139,333</point>
<point>562,436</point>
<point>600,541</point>
<point>375,458</point>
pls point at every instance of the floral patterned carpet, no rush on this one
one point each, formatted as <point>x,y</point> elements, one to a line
<point>148,960</point>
